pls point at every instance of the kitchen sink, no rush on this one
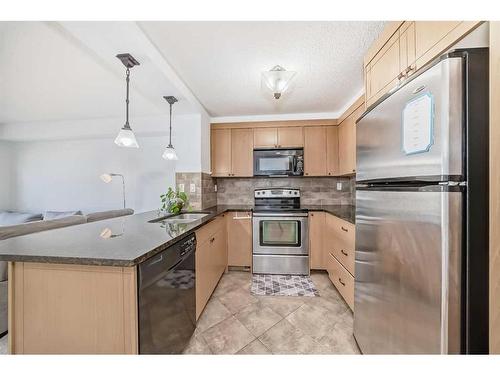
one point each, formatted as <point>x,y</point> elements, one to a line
<point>181,218</point>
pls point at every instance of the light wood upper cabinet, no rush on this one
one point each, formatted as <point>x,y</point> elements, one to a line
<point>404,48</point>
<point>316,233</point>
<point>239,239</point>
<point>315,151</point>
<point>221,152</point>
<point>407,55</point>
<point>383,70</point>
<point>347,146</point>
<point>265,137</point>
<point>332,150</point>
<point>290,137</point>
<point>429,33</point>
<point>242,152</point>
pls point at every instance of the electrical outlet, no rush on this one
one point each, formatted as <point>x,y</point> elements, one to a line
<point>215,188</point>
<point>192,188</point>
<point>181,188</point>
<point>339,186</point>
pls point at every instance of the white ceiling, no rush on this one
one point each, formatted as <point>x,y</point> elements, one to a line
<point>222,62</point>
<point>68,71</point>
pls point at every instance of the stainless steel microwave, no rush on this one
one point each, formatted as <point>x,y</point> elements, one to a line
<point>278,162</point>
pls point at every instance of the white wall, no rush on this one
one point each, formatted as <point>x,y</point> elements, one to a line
<point>6,177</point>
<point>60,172</point>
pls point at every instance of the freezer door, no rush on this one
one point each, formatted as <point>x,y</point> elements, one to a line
<point>407,271</point>
<point>380,152</point>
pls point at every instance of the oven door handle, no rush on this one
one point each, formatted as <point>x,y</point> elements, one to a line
<point>281,214</point>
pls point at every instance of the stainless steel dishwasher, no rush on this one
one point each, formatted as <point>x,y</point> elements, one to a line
<point>167,299</point>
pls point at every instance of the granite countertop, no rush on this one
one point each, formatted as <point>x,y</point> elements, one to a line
<point>344,212</point>
<point>130,240</point>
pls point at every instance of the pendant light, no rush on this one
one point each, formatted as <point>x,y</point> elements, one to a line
<point>126,137</point>
<point>278,80</point>
<point>170,153</point>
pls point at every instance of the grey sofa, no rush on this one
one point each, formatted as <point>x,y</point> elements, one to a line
<point>13,224</point>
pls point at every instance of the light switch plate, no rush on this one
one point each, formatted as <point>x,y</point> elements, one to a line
<point>181,188</point>
<point>192,188</point>
<point>339,186</point>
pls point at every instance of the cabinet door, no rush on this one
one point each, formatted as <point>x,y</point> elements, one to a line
<point>332,150</point>
<point>265,137</point>
<point>290,137</point>
<point>347,146</point>
<point>221,152</point>
<point>429,33</point>
<point>384,69</point>
<point>316,233</point>
<point>242,152</point>
<point>407,55</point>
<point>203,290</point>
<point>239,239</point>
<point>315,151</point>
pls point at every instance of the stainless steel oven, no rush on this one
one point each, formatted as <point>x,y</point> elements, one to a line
<point>279,162</point>
<point>280,233</point>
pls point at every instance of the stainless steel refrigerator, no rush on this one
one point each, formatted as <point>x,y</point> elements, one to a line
<point>421,268</point>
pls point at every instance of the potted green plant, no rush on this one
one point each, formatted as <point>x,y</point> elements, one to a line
<point>174,201</point>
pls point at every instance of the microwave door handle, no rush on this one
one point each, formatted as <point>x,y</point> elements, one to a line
<point>293,164</point>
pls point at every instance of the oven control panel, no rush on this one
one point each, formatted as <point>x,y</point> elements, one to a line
<point>277,193</point>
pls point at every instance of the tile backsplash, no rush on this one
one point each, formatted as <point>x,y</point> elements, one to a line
<point>205,195</point>
<point>314,190</point>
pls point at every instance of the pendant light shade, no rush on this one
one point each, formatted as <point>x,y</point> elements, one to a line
<point>126,137</point>
<point>278,80</point>
<point>169,153</point>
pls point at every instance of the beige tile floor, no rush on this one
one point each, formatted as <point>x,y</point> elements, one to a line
<point>236,322</point>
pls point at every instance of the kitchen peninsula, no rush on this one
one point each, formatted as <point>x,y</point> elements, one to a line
<point>75,289</point>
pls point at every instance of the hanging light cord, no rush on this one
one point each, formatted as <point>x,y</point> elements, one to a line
<point>170,138</point>
<point>127,126</point>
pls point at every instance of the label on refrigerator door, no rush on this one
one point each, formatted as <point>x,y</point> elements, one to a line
<point>418,125</point>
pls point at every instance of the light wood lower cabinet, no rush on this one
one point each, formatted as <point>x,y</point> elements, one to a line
<point>336,254</point>
<point>342,279</point>
<point>211,259</point>
<point>72,309</point>
<point>239,239</point>
<point>316,243</point>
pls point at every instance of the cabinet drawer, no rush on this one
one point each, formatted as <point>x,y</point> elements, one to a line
<point>342,279</point>
<point>208,230</point>
<point>341,230</point>
<point>345,255</point>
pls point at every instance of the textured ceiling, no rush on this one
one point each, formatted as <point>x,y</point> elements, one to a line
<point>222,62</point>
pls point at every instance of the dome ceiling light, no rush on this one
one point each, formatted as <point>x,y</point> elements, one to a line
<point>278,80</point>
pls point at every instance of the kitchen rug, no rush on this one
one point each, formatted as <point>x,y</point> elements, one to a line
<point>283,285</point>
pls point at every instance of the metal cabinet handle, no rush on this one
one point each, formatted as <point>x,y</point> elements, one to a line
<point>241,217</point>
<point>344,229</point>
<point>340,281</point>
<point>343,252</point>
<point>401,76</point>
<point>212,239</point>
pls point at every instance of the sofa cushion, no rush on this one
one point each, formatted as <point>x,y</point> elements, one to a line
<point>51,215</point>
<point>14,217</point>
<point>40,226</point>
<point>96,216</point>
